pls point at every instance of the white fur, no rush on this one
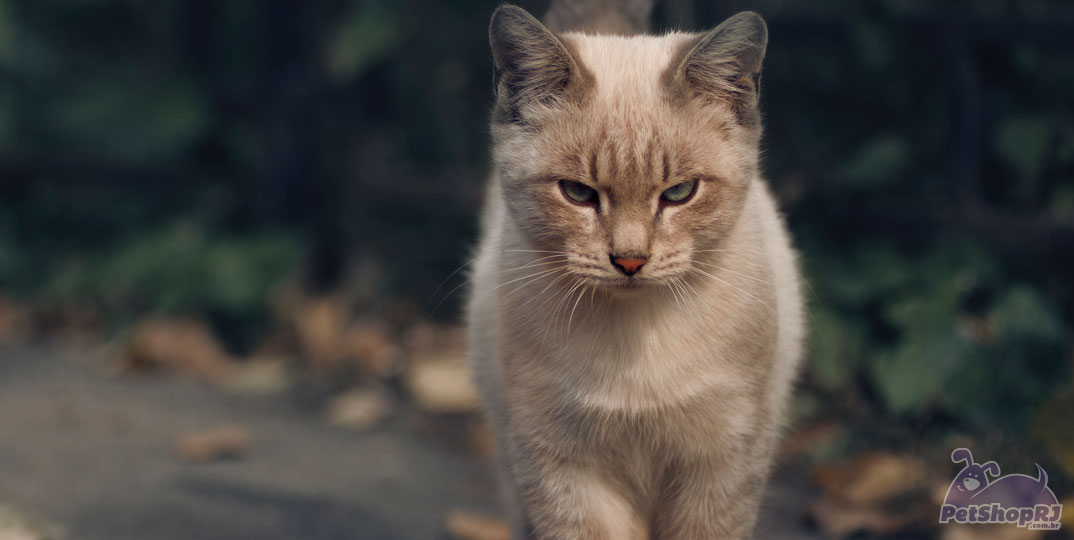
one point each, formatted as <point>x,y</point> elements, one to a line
<point>659,406</point>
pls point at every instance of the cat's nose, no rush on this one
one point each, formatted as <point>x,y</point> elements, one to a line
<point>628,265</point>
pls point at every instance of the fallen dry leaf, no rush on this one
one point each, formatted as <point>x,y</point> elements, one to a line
<point>329,338</point>
<point>465,525</point>
<point>876,493</point>
<point>425,338</point>
<point>14,320</point>
<point>182,346</point>
<point>359,408</point>
<point>370,347</point>
<point>442,385</point>
<point>320,324</point>
<point>17,525</point>
<point>226,441</point>
<point>259,375</point>
<point>812,439</point>
<point>839,520</point>
<point>873,478</point>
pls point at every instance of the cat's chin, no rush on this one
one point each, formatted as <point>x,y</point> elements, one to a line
<point>629,288</point>
<point>625,288</point>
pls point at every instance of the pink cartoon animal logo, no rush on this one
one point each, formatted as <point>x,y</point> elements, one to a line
<point>978,494</point>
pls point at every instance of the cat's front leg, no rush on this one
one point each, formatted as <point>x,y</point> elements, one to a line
<point>707,501</point>
<point>561,500</point>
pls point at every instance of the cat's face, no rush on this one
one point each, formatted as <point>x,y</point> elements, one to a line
<point>625,159</point>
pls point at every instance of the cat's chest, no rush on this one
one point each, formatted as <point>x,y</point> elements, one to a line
<point>670,395</point>
<point>635,368</point>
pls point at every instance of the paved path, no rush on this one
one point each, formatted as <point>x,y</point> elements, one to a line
<point>93,453</point>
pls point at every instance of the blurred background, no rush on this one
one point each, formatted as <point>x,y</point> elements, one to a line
<point>229,236</point>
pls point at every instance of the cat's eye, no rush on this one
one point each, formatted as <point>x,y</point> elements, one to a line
<point>679,193</point>
<point>578,192</point>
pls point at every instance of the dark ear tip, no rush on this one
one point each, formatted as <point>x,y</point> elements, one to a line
<point>500,19</point>
<point>507,17</point>
<point>508,12</point>
<point>752,23</point>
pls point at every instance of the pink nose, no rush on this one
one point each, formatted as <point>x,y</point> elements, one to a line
<point>629,266</point>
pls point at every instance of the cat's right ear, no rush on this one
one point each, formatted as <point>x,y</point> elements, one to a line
<point>724,65</point>
<point>531,65</point>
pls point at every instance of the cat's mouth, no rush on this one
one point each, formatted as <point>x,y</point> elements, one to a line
<point>629,284</point>
<point>626,285</point>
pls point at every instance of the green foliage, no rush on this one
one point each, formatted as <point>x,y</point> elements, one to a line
<point>184,156</point>
<point>877,162</point>
<point>1022,142</point>
<point>116,117</point>
<point>7,34</point>
<point>926,341</point>
<point>935,192</point>
<point>364,35</point>
<point>837,348</point>
<point>1017,366</point>
<point>178,269</point>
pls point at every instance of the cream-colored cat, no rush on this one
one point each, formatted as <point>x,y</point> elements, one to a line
<point>635,316</point>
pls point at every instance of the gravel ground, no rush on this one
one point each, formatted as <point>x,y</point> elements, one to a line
<point>93,453</point>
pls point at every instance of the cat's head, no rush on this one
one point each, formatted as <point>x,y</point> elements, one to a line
<point>629,156</point>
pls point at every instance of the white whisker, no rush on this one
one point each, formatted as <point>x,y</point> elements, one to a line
<point>537,262</point>
<point>449,276</point>
<point>535,251</point>
<point>585,288</point>
<point>540,273</point>
<point>732,286</point>
<point>755,252</point>
<point>747,276</point>
<point>540,295</point>
<point>523,285</point>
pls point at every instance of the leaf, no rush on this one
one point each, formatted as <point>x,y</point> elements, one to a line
<point>1007,377</point>
<point>181,268</point>
<point>913,374</point>
<point>873,43</point>
<point>7,35</point>
<point>1023,313</point>
<point>877,162</point>
<point>122,117</point>
<point>466,525</point>
<point>1062,201</point>
<point>836,344</point>
<point>873,478</point>
<point>1022,142</point>
<point>362,38</point>
<point>857,278</point>
<point>220,442</point>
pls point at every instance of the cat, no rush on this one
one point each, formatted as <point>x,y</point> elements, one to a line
<point>635,318</point>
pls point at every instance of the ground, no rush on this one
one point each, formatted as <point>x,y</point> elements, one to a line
<point>91,452</point>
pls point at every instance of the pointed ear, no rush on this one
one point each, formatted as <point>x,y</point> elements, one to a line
<point>725,65</point>
<point>531,65</point>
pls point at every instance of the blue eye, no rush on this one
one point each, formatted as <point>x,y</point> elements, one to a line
<point>578,192</point>
<point>679,192</point>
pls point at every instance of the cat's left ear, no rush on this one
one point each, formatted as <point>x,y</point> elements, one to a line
<point>725,65</point>
<point>531,64</point>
